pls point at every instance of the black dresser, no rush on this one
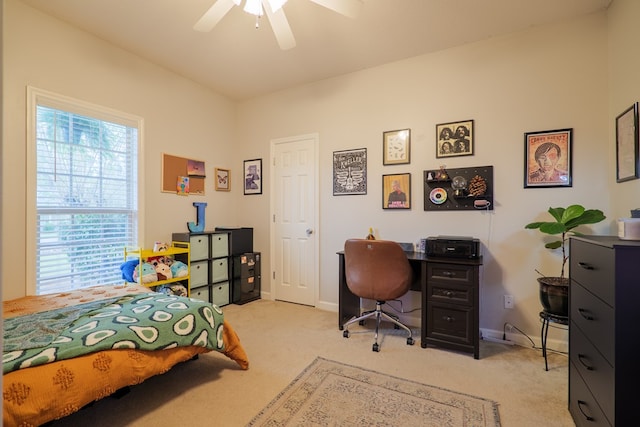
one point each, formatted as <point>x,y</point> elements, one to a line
<point>604,339</point>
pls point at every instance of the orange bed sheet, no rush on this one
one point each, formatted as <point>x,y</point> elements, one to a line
<point>36,395</point>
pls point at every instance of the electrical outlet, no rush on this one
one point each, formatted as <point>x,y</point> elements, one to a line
<point>508,301</point>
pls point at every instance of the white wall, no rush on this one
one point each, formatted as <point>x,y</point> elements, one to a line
<point>545,78</point>
<point>624,90</point>
<point>180,118</point>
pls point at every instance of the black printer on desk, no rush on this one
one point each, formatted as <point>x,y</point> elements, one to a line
<point>453,247</point>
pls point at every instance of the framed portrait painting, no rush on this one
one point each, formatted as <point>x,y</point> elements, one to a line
<point>396,191</point>
<point>223,179</point>
<point>350,172</point>
<point>627,144</point>
<point>454,139</point>
<point>253,176</point>
<point>396,147</point>
<point>547,158</point>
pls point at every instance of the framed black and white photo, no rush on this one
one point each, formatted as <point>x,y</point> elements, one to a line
<point>396,191</point>
<point>627,144</point>
<point>350,172</point>
<point>396,147</point>
<point>547,158</point>
<point>454,139</point>
<point>253,176</point>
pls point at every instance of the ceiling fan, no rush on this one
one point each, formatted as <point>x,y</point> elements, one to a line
<point>275,14</point>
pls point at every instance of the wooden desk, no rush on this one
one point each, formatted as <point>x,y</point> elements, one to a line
<point>449,288</point>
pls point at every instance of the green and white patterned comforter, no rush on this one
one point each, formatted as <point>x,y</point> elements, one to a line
<point>150,321</point>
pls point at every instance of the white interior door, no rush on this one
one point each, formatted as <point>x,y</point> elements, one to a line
<point>294,217</point>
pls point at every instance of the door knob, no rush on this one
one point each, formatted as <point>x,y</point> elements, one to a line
<point>309,232</point>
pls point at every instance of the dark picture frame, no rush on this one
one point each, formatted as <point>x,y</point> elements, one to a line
<point>396,147</point>
<point>223,179</point>
<point>455,139</point>
<point>627,144</point>
<point>396,191</point>
<point>547,158</point>
<point>253,176</point>
<point>350,172</point>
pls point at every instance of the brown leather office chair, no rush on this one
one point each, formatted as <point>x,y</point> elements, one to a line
<point>377,270</point>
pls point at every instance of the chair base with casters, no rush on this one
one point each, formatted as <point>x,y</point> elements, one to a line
<point>379,315</point>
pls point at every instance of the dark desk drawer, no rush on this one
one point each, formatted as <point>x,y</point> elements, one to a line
<point>451,323</point>
<point>450,273</point>
<point>594,369</point>
<point>452,293</point>
<point>582,404</point>
<point>593,267</point>
<point>594,318</point>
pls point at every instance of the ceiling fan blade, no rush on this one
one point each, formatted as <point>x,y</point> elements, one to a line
<point>280,27</point>
<point>212,16</point>
<point>350,8</point>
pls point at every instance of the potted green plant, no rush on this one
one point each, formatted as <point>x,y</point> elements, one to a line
<point>554,290</point>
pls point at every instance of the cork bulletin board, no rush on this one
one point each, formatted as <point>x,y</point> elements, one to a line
<point>174,171</point>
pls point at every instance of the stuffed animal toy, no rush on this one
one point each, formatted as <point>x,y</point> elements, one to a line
<point>160,247</point>
<point>128,268</point>
<point>179,290</point>
<point>163,271</point>
<point>164,289</point>
<point>148,274</point>
<point>179,269</point>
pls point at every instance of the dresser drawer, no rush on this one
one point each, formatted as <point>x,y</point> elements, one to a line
<point>450,273</point>
<point>582,405</point>
<point>594,369</point>
<point>451,293</point>
<point>593,266</point>
<point>450,323</point>
<point>199,273</point>
<point>219,269</point>
<point>199,246</point>
<point>594,318</point>
<point>219,245</point>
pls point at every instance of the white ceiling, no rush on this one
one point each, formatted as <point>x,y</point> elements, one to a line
<point>241,62</point>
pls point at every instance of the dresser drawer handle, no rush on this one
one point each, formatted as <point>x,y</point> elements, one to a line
<point>585,265</point>
<point>447,273</point>
<point>580,358</point>
<point>582,312</point>
<point>448,318</point>
<point>449,294</point>
<point>583,403</point>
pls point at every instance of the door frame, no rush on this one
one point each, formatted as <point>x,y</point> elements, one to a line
<point>272,201</point>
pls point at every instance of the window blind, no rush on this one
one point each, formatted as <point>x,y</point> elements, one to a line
<point>86,199</point>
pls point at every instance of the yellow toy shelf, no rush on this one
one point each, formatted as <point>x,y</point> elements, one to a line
<point>176,248</point>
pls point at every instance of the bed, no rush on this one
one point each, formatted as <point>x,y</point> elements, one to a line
<point>64,351</point>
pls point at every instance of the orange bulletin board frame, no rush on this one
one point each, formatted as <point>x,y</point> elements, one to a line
<point>174,167</point>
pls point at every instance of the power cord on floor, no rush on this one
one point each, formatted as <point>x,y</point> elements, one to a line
<point>533,344</point>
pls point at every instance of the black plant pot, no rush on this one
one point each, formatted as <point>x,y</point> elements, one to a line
<point>554,295</point>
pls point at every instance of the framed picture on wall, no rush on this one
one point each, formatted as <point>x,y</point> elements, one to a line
<point>454,139</point>
<point>253,176</point>
<point>396,147</point>
<point>396,191</point>
<point>627,144</point>
<point>350,172</point>
<point>223,179</point>
<point>547,158</point>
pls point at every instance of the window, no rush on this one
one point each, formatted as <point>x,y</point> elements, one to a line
<point>85,192</point>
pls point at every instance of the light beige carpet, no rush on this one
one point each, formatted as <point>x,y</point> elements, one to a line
<point>337,394</point>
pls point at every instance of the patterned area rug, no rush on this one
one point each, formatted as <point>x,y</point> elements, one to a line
<point>331,393</point>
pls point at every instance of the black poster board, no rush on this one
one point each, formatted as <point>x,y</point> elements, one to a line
<point>440,193</point>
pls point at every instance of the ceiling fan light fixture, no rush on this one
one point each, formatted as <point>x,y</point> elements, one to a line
<point>253,7</point>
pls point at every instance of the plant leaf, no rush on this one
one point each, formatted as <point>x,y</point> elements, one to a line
<point>556,213</point>
<point>534,225</point>
<point>553,245</point>
<point>572,212</point>
<point>590,216</point>
<point>552,228</point>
